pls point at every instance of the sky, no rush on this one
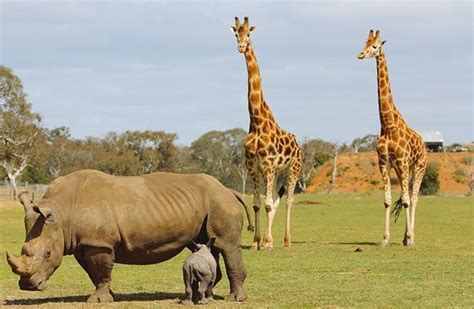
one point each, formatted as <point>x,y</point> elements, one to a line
<point>102,66</point>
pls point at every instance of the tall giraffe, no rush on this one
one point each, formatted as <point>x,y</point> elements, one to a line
<point>398,146</point>
<point>269,150</point>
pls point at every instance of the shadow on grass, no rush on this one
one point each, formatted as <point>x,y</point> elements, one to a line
<point>303,242</point>
<point>119,297</point>
<point>365,243</point>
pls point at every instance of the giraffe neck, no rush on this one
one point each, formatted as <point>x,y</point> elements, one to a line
<point>387,110</point>
<point>258,109</point>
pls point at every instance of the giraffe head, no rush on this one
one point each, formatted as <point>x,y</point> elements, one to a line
<point>373,46</point>
<point>242,33</point>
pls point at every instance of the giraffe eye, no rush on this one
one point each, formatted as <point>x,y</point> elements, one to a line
<point>374,46</point>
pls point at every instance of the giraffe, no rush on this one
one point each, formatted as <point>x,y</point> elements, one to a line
<point>398,146</point>
<point>269,150</point>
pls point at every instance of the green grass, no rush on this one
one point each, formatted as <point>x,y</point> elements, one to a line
<point>320,269</point>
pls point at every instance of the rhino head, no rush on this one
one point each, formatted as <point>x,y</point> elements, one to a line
<point>43,249</point>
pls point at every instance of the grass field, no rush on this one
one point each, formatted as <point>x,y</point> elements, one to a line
<point>320,269</point>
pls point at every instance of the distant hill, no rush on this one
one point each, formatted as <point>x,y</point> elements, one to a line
<point>360,173</point>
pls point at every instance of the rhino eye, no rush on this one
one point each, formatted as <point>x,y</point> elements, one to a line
<point>47,254</point>
<point>26,251</point>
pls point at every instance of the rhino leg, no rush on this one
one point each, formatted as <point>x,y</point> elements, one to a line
<point>98,264</point>
<point>83,264</point>
<point>216,254</point>
<point>234,265</point>
<point>188,291</point>
<point>210,286</point>
<point>204,280</point>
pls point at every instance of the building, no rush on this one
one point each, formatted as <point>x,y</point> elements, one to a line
<point>433,140</point>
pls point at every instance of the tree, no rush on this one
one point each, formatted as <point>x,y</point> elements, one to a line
<point>155,150</point>
<point>337,149</point>
<point>315,153</point>
<point>221,154</point>
<point>366,143</point>
<point>185,162</point>
<point>19,126</point>
<point>58,140</point>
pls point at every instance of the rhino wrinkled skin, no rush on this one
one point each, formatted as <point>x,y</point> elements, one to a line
<point>103,219</point>
<point>199,274</point>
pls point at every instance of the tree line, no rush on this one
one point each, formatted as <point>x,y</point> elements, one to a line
<point>32,153</point>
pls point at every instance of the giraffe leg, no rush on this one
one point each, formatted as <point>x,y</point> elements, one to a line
<point>253,170</point>
<point>292,179</point>
<point>268,238</point>
<point>270,184</point>
<point>271,205</point>
<point>418,173</point>
<point>385,170</point>
<point>403,173</point>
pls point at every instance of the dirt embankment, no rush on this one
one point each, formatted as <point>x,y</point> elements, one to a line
<point>360,173</point>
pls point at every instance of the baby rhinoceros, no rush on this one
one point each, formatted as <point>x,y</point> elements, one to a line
<point>199,274</point>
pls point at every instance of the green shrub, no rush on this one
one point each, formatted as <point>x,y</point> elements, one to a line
<point>430,183</point>
<point>467,160</point>
<point>320,158</point>
<point>374,182</point>
<point>459,176</point>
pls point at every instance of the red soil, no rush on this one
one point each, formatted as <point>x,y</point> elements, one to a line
<point>360,173</point>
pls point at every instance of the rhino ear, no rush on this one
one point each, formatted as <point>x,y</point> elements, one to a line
<point>26,202</point>
<point>192,246</point>
<point>46,212</point>
<point>211,242</point>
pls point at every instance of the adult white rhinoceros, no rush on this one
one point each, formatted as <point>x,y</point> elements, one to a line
<point>103,219</point>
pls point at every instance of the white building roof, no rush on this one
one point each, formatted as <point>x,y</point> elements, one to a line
<point>432,136</point>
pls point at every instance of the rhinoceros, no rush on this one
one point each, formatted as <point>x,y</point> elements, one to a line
<point>199,274</point>
<point>103,219</point>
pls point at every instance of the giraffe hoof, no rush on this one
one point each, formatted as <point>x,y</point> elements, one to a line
<point>255,246</point>
<point>384,243</point>
<point>268,246</point>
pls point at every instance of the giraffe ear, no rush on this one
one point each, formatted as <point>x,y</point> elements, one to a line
<point>233,29</point>
<point>252,29</point>
<point>383,42</point>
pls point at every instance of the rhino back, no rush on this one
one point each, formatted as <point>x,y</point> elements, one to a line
<point>146,219</point>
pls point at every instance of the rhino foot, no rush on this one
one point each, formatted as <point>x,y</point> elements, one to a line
<point>233,297</point>
<point>100,298</point>
<point>203,301</point>
<point>186,302</point>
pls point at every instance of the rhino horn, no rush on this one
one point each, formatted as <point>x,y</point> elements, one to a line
<point>17,264</point>
<point>26,202</point>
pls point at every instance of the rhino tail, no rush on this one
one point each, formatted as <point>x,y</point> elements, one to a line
<point>250,227</point>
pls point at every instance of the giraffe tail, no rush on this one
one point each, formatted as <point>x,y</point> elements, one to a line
<point>250,227</point>
<point>397,209</point>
